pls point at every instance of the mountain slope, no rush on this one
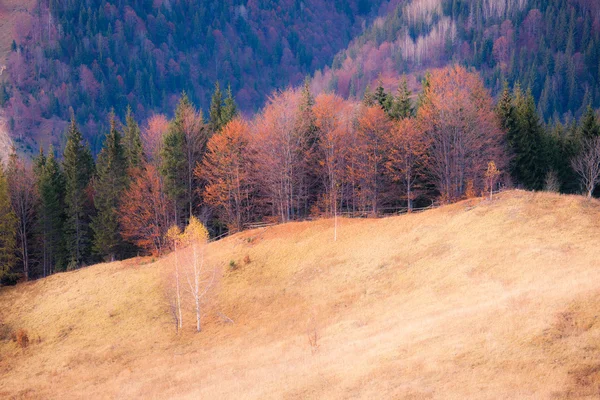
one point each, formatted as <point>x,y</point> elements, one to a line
<point>97,55</point>
<point>474,300</point>
<point>548,46</point>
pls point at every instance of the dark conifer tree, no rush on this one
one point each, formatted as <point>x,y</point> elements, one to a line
<point>216,109</point>
<point>132,141</point>
<point>110,183</point>
<point>529,145</point>
<point>174,161</point>
<point>51,188</point>
<point>589,127</point>
<point>402,105</point>
<point>78,166</point>
<point>8,234</point>
<point>230,110</point>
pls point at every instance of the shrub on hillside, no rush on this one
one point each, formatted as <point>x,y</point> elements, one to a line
<point>22,338</point>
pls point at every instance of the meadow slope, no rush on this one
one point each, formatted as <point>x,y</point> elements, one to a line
<point>478,299</point>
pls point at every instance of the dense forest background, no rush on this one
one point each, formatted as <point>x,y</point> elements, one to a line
<point>549,46</point>
<point>96,55</point>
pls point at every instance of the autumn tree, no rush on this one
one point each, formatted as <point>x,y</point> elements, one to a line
<point>199,281</point>
<point>174,239</point>
<point>278,155</point>
<point>462,130</point>
<point>226,168</point>
<point>144,217</point>
<point>368,156</point>
<point>587,164</point>
<point>334,119</point>
<point>24,197</point>
<point>407,154</point>
<point>8,234</point>
<point>78,168</point>
<point>491,176</point>
<point>109,186</point>
<point>50,183</point>
<point>152,137</point>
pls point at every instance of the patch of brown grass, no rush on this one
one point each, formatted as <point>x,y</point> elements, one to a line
<point>473,300</point>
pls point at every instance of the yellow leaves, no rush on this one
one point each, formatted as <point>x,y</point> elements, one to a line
<point>174,234</point>
<point>195,232</point>
<point>492,170</point>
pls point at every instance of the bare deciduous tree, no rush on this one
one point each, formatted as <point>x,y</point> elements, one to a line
<point>587,164</point>
<point>196,236</point>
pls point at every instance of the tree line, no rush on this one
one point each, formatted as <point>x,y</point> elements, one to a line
<point>301,156</point>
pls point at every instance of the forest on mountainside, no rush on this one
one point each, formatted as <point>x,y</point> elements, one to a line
<point>303,156</point>
<point>549,46</point>
<point>97,55</point>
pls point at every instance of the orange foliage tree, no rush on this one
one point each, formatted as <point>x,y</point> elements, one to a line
<point>457,117</point>
<point>368,156</point>
<point>406,153</point>
<point>152,136</point>
<point>226,171</point>
<point>278,148</point>
<point>334,118</point>
<point>144,216</point>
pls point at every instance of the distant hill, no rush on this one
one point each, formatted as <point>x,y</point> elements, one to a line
<point>551,46</point>
<point>96,55</point>
<point>478,300</point>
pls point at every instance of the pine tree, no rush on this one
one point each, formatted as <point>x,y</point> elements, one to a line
<point>51,187</point>
<point>216,109</point>
<point>589,126</point>
<point>132,141</point>
<point>174,163</point>
<point>109,186</point>
<point>402,105</point>
<point>229,111</point>
<point>507,114</point>
<point>382,98</point>
<point>530,153</point>
<point>8,234</point>
<point>308,138</point>
<point>369,97</point>
<point>78,168</point>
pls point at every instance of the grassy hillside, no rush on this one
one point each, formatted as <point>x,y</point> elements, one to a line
<point>474,300</point>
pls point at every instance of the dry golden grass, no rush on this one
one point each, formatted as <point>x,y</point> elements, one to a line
<point>486,300</point>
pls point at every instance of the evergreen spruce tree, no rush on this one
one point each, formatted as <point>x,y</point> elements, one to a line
<point>507,114</point>
<point>402,105</point>
<point>589,127</point>
<point>8,234</point>
<point>109,186</point>
<point>216,109</point>
<point>425,85</point>
<point>173,163</point>
<point>229,111</point>
<point>78,168</point>
<point>529,145</point>
<point>132,141</point>
<point>51,187</point>
<point>308,137</point>
<point>369,97</point>
<point>382,98</point>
